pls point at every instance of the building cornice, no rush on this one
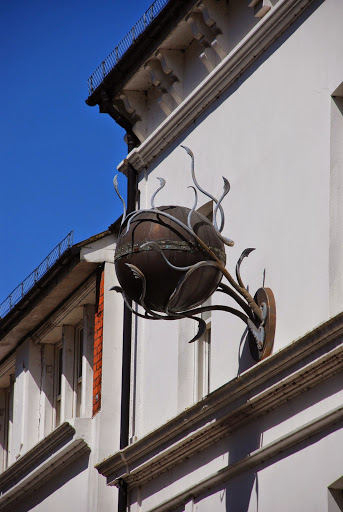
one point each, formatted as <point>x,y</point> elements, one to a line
<point>261,455</point>
<point>301,365</point>
<point>39,464</point>
<point>56,318</point>
<point>230,69</point>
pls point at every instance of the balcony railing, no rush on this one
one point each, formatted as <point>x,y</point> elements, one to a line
<point>28,283</point>
<point>114,57</point>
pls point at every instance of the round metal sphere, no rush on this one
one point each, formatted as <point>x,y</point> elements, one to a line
<point>179,247</point>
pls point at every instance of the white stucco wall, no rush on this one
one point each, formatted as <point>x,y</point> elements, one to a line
<point>67,491</point>
<point>269,134</point>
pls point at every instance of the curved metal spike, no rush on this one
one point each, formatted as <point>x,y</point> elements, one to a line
<point>226,241</point>
<point>201,328</point>
<point>115,184</point>
<point>225,192</point>
<point>138,274</point>
<point>189,268</point>
<point>127,302</point>
<point>175,295</point>
<point>194,206</point>
<point>158,249</point>
<point>163,214</point>
<point>187,314</point>
<point>189,152</point>
<point>201,322</point>
<point>244,254</point>
<point>203,309</point>
<point>224,288</point>
<point>162,184</point>
<point>243,291</point>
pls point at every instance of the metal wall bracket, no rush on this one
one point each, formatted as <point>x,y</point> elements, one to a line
<point>160,284</point>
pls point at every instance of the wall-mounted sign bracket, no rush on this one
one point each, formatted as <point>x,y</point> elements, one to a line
<point>171,259</point>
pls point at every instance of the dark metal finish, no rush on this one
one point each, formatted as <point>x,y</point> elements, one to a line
<point>122,495</point>
<point>180,249</point>
<point>264,296</point>
<point>171,259</point>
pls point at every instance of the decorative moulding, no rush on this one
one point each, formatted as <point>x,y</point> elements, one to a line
<point>40,463</point>
<point>226,72</point>
<point>56,319</point>
<point>258,456</point>
<point>301,365</point>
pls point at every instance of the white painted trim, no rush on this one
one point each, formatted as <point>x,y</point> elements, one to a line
<point>254,44</point>
<point>250,395</point>
<point>28,472</point>
<point>253,459</point>
<point>57,318</point>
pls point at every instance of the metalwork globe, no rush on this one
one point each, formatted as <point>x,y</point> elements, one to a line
<point>181,250</point>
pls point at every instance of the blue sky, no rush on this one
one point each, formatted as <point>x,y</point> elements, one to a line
<point>57,155</point>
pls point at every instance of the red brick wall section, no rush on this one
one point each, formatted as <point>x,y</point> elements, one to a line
<point>98,335</point>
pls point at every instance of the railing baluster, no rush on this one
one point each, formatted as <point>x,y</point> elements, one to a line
<point>100,73</point>
<point>19,292</point>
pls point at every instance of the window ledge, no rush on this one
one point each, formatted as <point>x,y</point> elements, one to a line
<point>39,464</point>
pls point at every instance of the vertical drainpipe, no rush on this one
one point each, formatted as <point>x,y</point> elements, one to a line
<point>127,339</point>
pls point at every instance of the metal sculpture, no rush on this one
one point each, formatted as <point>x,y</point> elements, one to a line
<point>170,259</point>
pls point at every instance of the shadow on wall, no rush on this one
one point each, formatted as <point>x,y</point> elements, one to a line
<point>242,491</point>
<point>242,485</point>
<point>45,489</point>
<point>245,360</point>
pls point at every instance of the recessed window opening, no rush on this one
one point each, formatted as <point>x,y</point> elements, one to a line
<point>79,349</point>
<point>8,422</point>
<point>58,383</point>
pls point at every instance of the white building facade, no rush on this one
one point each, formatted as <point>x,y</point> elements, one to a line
<point>255,91</point>
<point>102,414</point>
<point>57,354</point>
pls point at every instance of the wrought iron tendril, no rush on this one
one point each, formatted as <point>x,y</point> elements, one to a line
<point>253,315</point>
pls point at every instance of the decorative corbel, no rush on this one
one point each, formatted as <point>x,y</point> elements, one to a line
<point>132,105</point>
<point>164,80</point>
<point>172,65</point>
<point>209,36</point>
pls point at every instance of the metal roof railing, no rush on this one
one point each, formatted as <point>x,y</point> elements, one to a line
<point>114,57</point>
<point>28,283</point>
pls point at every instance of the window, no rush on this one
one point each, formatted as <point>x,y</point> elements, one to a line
<point>73,371</point>
<point>6,412</point>
<point>78,370</point>
<point>8,421</point>
<point>58,383</point>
